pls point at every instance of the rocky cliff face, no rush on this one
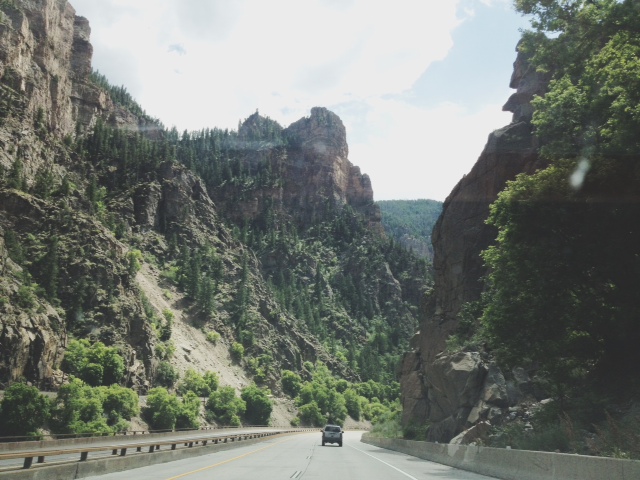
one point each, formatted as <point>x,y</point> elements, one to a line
<point>36,81</point>
<point>320,172</point>
<point>46,59</point>
<point>32,342</point>
<point>450,392</point>
<point>311,157</point>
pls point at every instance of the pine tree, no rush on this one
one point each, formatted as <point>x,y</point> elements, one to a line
<point>44,183</point>
<point>50,269</point>
<point>16,175</point>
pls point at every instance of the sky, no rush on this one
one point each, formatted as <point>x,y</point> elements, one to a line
<point>419,84</point>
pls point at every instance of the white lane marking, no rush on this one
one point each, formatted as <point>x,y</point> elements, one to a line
<point>387,464</point>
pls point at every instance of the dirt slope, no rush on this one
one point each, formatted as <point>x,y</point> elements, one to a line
<point>193,350</point>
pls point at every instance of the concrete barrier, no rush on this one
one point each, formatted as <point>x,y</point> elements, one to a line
<point>514,464</point>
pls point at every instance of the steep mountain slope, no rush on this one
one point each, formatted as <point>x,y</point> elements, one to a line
<point>115,229</point>
<point>411,222</point>
<point>536,253</point>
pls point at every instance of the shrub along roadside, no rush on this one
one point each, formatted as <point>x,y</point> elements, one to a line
<point>165,411</point>
<point>23,411</point>
<point>259,406</point>
<point>81,409</point>
<point>225,408</point>
<point>326,399</point>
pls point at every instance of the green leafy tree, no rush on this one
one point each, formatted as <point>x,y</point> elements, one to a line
<point>258,405</point>
<point>291,383</point>
<point>596,114</point>
<point>95,363</point>
<point>78,409</point>
<point>134,262</point>
<point>212,380</point>
<point>237,351</point>
<point>201,385</point>
<point>311,415</point>
<point>189,414</point>
<point>354,403</point>
<point>162,409</point>
<point>225,407</point>
<point>213,337</point>
<point>76,356</point>
<point>120,402</point>
<point>24,411</point>
<point>590,50</point>
<point>166,375</point>
<point>167,327</point>
<point>374,411</point>
<point>92,373</point>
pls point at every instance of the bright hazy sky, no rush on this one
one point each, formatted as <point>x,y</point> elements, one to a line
<point>419,84</point>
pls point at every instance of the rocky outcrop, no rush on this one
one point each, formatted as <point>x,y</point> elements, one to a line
<point>37,56</point>
<point>45,63</point>
<point>320,174</point>
<point>311,157</point>
<point>91,281</point>
<point>32,339</point>
<point>458,238</point>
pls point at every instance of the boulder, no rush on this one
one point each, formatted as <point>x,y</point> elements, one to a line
<point>475,434</point>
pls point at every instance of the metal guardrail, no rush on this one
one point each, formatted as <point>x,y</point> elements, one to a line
<point>63,436</point>
<point>121,449</point>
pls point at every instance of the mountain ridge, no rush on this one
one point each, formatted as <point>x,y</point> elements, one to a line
<point>270,234</point>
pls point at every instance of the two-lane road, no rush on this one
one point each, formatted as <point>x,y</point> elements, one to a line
<point>300,456</point>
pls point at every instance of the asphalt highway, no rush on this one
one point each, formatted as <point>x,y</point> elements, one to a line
<point>299,456</point>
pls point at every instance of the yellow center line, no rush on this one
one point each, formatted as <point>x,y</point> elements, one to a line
<point>229,460</point>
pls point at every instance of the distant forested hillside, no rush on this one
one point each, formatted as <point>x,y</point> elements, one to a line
<point>410,222</point>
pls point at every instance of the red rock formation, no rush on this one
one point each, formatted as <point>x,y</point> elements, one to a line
<point>320,173</point>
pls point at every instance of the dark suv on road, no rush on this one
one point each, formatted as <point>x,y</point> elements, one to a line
<point>332,434</point>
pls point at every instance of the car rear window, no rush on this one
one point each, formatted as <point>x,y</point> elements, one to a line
<point>332,429</point>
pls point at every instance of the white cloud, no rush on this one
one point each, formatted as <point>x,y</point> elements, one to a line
<point>311,52</point>
<point>206,63</point>
<point>425,154</point>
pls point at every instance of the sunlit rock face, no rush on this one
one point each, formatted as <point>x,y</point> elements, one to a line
<point>458,238</point>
